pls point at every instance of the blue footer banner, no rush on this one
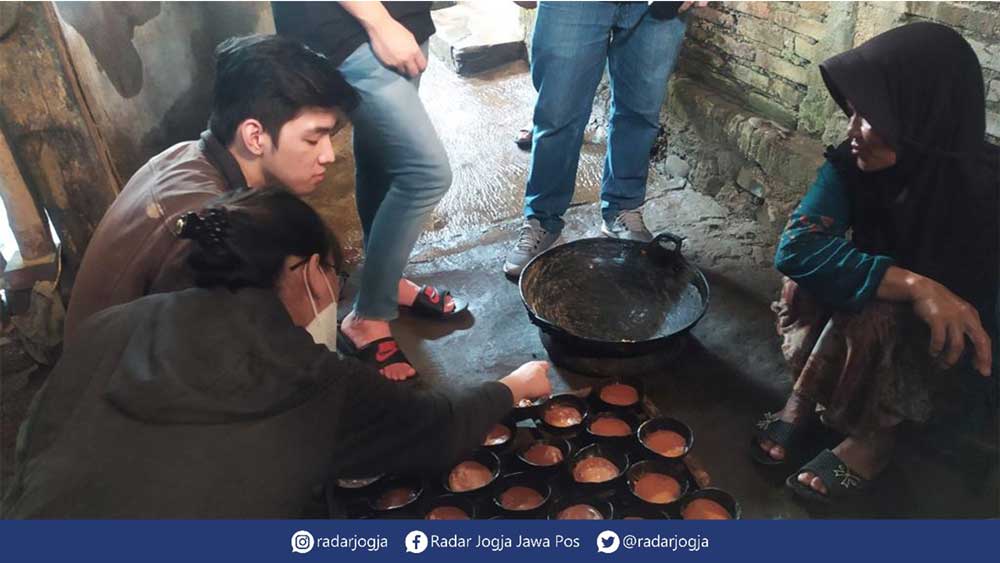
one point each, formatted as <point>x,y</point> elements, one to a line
<point>417,540</point>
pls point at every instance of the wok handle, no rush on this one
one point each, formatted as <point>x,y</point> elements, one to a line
<point>665,242</point>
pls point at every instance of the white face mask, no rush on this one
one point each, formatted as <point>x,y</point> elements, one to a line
<point>323,327</point>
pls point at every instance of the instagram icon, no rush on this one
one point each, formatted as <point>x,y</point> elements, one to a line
<point>302,542</point>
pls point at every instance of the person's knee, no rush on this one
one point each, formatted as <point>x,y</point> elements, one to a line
<point>644,103</point>
<point>566,85</point>
<point>644,118</point>
<point>553,114</point>
<point>439,172</point>
<point>873,324</point>
<point>430,179</point>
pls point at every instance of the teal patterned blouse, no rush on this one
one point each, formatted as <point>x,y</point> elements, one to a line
<point>816,253</point>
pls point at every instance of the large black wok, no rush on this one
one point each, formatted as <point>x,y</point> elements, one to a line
<point>605,297</point>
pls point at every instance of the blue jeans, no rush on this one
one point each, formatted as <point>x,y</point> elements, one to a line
<point>572,43</point>
<point>401,173</point>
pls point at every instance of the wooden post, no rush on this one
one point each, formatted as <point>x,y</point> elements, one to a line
<point>36,258</point>
<point>50,131</point>
<point>28,223</point>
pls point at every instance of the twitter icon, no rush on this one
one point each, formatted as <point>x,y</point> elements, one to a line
<point>608,542</point>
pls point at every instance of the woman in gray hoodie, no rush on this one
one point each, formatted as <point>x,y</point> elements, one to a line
<point>213,402</point>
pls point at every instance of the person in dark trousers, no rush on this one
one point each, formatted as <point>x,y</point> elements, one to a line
<point>275,105</point>
<point>402,169</point>
<point>225,400</point>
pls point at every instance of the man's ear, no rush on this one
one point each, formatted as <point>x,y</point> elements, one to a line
<point>251,133</point>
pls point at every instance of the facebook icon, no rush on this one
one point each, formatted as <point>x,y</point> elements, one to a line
<point>416,542</point>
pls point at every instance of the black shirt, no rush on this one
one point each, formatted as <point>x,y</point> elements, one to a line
<point>664,10</point>
<point>329,29</point>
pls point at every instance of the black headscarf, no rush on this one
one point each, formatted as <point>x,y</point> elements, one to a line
<point>936,211</point>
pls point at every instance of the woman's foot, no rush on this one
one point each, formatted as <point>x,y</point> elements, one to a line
<point>408,292</point>
<point>363,332</point>
<point>797,409</point>
<point>866,457</point>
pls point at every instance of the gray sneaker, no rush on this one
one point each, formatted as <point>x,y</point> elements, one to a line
<point>628,225</point>
<point>531,241</point>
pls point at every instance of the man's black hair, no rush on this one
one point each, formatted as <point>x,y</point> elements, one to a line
<point>272,78</point>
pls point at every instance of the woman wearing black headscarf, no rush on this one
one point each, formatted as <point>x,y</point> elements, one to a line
<point>872,322</point>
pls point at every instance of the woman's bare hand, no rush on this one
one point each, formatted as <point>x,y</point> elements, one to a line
<point>530,381</point>
<point>951,319</point>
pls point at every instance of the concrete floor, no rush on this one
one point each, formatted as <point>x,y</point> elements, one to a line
<point>731,372</point>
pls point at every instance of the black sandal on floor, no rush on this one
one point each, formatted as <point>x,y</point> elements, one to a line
<point>840,480</point>
<point>524,139</point>
<point>380,353</point>
<point>781,433</point>
<point>430,303</point>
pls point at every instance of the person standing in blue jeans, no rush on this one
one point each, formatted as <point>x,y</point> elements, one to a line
<point>573,42</point>
<point>402,169</point>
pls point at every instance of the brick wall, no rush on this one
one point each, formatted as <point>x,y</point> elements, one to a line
<point>765,54</point>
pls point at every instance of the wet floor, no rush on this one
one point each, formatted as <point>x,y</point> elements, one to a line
<point>489,170</point>
<point>730,372</point>
<point>477,119</point>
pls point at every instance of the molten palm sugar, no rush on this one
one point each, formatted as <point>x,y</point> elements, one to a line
<point>521,498</point>
<point>580,512</point>
<point>543,454</point>
<point>469,476</point>
<point>666,443</point>
<point>594,470</point>
<point>610,427</point>
<point>447,513</point>
<point>562,416</point>
<point>657,488</point>
<point>395,498</point>
<point>620,395</point>
<point>500,434</point>
<point>705,509</point>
